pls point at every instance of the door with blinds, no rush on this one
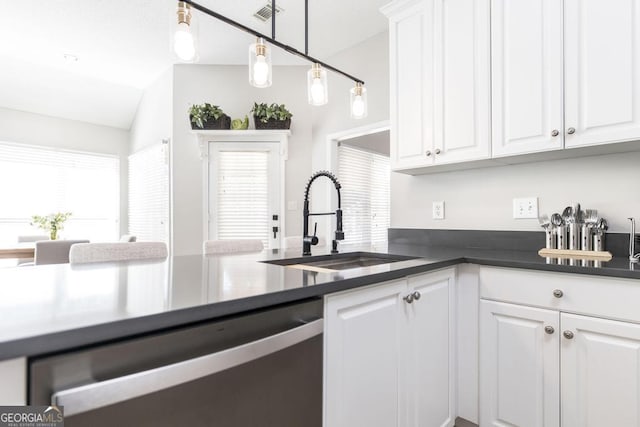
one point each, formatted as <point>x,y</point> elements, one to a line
<point>244,192</point>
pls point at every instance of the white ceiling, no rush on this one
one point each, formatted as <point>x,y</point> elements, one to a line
<point>123,45</point>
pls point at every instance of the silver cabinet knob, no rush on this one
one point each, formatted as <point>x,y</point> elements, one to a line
<point>549,329</point>
<point>571,131</point>
<point>437,151</point>
<point>555,133</point>
<point>558,293</point>
<point>408,299</point>
<point>427,153</point>
<point>416,295</point>
<point>568,334</point>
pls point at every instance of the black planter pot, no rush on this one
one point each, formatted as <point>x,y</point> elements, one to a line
<point>272,124</point>
<point>222,122</point>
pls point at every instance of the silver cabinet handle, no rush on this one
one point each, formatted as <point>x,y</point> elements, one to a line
<point>558,293</point>
<point>437,151</point>
<point>555,133</point>
<point>427,153</point>
<point>409,298</point>
<point>416,295</point>
<point>571,131</point>
<point>549,329</point>
<point>568,334</point>
<point>93,396</point>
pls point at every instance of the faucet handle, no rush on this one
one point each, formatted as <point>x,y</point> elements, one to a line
<point>314,238</point>
<point>340,235</point>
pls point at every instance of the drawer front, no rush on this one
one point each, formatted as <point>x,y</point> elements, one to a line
<point>574,293</point>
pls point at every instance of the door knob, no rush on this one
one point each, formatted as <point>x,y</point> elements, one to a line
<point>568,334</point>
<point>427,153</point>
<point>549,329</point>
<point>558,293</point>
<point>571,131</point>
<point>408,299</point>
<point>555,133</point>
<point>437,151</point>
<point>416,295</point>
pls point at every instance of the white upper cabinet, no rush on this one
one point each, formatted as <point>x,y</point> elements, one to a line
<point>410,37</point>
<point>440,80</point>
<point>526,56</point>
<point>602,71</point>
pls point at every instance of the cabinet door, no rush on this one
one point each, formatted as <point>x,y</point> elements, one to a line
<point>412,83</point>
<point>363,330</point>
<point>600,372</point>
<point>519,366</point>
<point>427,385</point>
<point>462,97</point>
<point>526,55</point>
<point>602,66</point>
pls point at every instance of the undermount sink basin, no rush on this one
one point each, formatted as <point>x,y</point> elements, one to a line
<point>337,262</point>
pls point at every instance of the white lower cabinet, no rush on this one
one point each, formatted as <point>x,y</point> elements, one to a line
<point>600,372</point>
<point>546,366</point>
<point>388,361</point>
<point>519,366</point>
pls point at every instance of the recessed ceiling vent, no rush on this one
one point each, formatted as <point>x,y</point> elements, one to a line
<point>265,13</point>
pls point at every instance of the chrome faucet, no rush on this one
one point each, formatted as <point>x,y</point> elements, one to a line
<point>633,256</point>
<point>307,240</point>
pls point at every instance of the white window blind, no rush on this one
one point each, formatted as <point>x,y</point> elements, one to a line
<point>243,195</point>
<point>42,180</point>
<point>365,195</point>
<point>149,194</point>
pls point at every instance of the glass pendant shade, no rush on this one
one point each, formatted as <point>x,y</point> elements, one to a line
<point>184,35</point>
<point>317,88</point>
<point>259,64</point>
<point>358,101</point>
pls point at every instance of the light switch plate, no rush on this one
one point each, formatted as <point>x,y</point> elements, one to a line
<point>525,208</point>
<point>438,210</point>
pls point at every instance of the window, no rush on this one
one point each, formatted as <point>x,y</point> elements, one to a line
<point>365,179</point>
<point>243,203</point>
<point>39,181</point>
<point>149,194</point>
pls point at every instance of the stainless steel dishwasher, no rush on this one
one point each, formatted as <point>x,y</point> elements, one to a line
<point>260,369</point>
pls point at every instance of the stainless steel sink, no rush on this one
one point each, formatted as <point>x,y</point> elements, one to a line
<point>337,262</point>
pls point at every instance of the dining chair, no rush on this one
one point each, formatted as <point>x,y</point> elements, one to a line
<point>29,239</point>
<point>118,251</point>
<point>214,247</point>
<point>54,251</point>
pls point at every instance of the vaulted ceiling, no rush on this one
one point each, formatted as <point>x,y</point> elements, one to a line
<point>123,46</point>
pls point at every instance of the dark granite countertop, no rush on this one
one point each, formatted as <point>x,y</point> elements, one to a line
<point>53,308</point>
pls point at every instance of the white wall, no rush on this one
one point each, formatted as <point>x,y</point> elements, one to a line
<point>228,87</point>
<point>368,61</point>
<point>36,129</point>
<point>482,198</point>
<point>153,121</point>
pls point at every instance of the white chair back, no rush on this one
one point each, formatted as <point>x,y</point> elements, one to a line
<point>213,247</point>
<point>54,251</point>
<point>119,251</point>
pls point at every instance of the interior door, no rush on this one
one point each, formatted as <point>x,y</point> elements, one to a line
<point>244,192</point>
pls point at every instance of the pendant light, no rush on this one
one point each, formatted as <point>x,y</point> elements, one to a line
<point>358,101</point>
<point>259,64</point>
<point>317,90</point>
<point>184,41</point>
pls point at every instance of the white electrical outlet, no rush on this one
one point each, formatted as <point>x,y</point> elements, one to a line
<point>526,207</point>
<point>438,210</point>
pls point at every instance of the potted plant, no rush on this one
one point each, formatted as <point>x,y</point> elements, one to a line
<point>53,223</point>
<point>208,116</point>
<point>272,116</point>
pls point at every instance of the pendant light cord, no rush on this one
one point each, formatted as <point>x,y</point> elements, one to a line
<point>271,40</point>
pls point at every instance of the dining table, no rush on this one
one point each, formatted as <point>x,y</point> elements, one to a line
<point>17,250</point>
